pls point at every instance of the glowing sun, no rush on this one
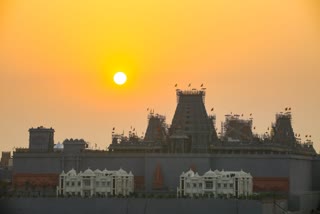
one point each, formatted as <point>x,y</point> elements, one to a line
<point>120,78</point>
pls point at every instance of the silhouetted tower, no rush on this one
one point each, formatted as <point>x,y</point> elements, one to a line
<point>157,129</point>
<point>5,159</point>
<point>191,117</point>
<point>179,142</point>
<point>236,129</point>
<point>41,139</point>
<point>282,131</point>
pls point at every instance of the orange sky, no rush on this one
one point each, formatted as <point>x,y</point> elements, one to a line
<point>57,62</point>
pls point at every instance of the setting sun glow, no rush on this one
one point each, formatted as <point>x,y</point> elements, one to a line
<point>120,78</point>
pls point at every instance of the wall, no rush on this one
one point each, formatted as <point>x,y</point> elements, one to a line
<point>296,169</point>
<point>316,174</point>
<point>128,206</point>
<point>300,175</point>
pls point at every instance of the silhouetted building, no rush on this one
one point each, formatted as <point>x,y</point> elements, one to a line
<point>282,132</point>
<point>191,117</point>
<point>235,129</point>
<point>180,142</point>
<point>74,145</point>
<point>193,131</point>
<point>157,129</point>
<point>5,158</point>
<point>278,161</point>
<point>41,139</point>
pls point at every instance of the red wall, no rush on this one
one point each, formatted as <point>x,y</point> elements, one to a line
<point>264,184</point>
<point>260,184</point>
<point>37,180</point>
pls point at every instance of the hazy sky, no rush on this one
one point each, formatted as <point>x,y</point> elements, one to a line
<point>57,60</point>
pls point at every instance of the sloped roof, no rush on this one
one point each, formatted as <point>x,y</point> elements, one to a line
<point>72,172</point>
<point>88,172</point>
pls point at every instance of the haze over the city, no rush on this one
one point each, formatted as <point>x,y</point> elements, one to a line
<point>58,59</point>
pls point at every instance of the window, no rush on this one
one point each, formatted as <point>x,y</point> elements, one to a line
<point>209,184</point>
<point>225,185</point>
<point>231,185</point>
<point>79,183</point>
<point>86,182</point>
<point>200,185</point>
<point>72,183</point>
<point>219,185</point>
<point>67,183</point>
<point>108,183</point>
<point>194,185</point>
<point>103,183</point>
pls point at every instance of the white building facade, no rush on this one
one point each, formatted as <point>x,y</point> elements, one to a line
<point>215,183</point>
<point>95,183</point>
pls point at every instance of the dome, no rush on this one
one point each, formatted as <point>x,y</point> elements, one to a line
<point>244,174</point>
<point>88,172</point>
<point>121,172</point>
<point>105,171</point>
<point>58,147</point>
<point>210,173</point>
<point>72,172</point>
<point>97,171</point>
<point>190,173</point>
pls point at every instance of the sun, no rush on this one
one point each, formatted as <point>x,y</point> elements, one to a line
<point>120,78</point>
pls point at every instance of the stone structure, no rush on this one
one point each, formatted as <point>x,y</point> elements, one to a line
<point>74,145</point>
<point>236,129</point>
<point>215,183</point>
<point>5,159</point>
<point>282,131</point>
<point>41,139</point>
<point>278,161</point>
<point>193,131</point>
<point>191,117</point>
<point>95,183</point>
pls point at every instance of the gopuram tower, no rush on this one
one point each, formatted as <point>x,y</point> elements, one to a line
<point>192,123</point>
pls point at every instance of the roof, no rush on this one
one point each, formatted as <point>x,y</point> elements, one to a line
<point>189,173</point>
<point>72,172</point>
<point>211,173</point>
<point>216,173</point>
<point>88,172</point>
<point>120,172</point>
<point>98,171</point>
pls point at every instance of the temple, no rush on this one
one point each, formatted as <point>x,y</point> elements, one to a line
<point>278,160</point>
<point>193,130</point>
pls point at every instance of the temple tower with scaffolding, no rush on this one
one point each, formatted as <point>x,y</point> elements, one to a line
<point>236,129</point>
<point>157,128</point>
<point>282,131</point>
<point>192,119</point>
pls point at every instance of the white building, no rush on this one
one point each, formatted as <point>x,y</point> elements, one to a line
<point>215,183</point>
<point>95,183</point>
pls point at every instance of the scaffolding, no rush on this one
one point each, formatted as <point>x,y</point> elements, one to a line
<point>193,92</point>
<point>236,129</point>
